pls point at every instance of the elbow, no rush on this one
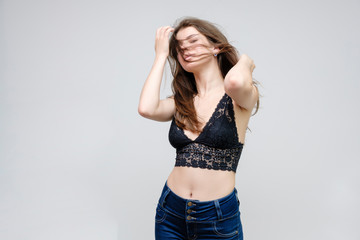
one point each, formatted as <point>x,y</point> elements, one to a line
<point>232,83</point>
<point>146,111</point>
<point>143,111</point>
<point>237,82</point>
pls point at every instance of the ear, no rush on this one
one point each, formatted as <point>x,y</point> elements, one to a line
<point>216,50</point>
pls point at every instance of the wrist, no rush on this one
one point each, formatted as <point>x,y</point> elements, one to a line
<point>161,56</point>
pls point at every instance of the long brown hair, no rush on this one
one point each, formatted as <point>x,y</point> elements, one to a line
<point>184,85</point>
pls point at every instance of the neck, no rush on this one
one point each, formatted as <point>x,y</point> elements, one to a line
<point>209,79</point>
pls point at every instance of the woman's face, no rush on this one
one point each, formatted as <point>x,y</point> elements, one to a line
<point>193,49</point>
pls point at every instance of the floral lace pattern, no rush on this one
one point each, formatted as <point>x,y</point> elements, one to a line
<point>217,147</point>
<point>201,156</point>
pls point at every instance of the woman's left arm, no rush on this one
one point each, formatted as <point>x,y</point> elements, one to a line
<point>239,84</point>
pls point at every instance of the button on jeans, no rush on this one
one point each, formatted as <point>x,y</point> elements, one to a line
<point>179,218</point>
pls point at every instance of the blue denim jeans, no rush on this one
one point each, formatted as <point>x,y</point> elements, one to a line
<point>179,218</point>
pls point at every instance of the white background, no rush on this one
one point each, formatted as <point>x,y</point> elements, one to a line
<point>77,161</point>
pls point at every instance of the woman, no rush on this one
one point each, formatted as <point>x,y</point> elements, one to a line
<point>214,95</point>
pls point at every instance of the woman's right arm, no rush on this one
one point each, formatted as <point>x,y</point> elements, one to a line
<point>150,105</point>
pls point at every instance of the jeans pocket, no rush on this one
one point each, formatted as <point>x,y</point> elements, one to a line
<point>160,215</point>
<point>228,227</point>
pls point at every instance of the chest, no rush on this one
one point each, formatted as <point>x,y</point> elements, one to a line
<point>219,129</point>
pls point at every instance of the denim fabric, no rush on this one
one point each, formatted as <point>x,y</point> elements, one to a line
<point>179,218</point>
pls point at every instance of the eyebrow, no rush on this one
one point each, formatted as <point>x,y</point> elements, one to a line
<point>188,37</point>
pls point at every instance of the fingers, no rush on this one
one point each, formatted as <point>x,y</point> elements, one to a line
<point>164,31</point>
<point>162,40</point>
<point>250,62</point>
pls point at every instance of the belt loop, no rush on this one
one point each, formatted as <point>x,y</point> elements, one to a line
<point>163,196</point>
<point>218,209</point>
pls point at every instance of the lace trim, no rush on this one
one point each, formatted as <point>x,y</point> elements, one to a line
<point>201,156</point>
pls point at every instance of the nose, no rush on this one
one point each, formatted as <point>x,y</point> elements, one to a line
<point>183,48</point>
<point>186,54</point>
<point>186,49</point>
<point>183,51</point>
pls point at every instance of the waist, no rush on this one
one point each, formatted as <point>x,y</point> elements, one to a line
<point>193,209</point>
<point>201,184</point>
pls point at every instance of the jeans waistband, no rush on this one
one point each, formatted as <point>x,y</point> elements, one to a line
<point>195,210</point>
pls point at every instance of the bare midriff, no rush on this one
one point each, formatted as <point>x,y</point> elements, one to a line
<point>201,184</point>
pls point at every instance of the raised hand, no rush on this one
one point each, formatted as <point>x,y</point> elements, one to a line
<point>162,41</point>
<point>245,59</point>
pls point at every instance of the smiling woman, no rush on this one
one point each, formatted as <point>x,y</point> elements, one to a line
<point>213,98</point>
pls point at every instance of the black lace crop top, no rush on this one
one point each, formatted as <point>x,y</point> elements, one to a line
<point>217,147</point>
